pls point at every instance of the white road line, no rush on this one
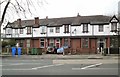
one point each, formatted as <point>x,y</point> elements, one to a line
<point>6,64</point>
<point>17,64</point>
<point>35,68</point>
<point>91,66</point>
<point>96,69</point>
<point>17,69</point>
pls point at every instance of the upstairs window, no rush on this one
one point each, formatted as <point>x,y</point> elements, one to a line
<point>21,31</point>
<point>29,30</point>
<point>85,28</point>
<point>8,31</point>
<point>57,29</point>
<point>101,28</point>
<point>113,26</point>
<point>43,30</point>
<point>16,31</point>
<point>51,30</point>
<point>66,28</point>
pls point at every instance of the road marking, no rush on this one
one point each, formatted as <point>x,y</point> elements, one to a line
<point>6,64</point>
<point>96,69</point>
<point>91,66</point>
<point>17,64</point>
<point>35,68</point>
<point>17,69</point>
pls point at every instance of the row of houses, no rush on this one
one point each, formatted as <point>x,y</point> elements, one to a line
<point>82,33</point>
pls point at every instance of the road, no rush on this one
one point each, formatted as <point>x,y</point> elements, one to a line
<point>48,67</point>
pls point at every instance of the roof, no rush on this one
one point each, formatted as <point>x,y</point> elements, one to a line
<point>77,20</point>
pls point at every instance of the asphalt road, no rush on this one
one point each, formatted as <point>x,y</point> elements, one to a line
<point>47,67</point>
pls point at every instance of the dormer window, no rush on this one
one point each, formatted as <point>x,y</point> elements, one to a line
<point>85,28</point>
<point>113,26</point>
<point>43,30</point>
<point>101,27</point>
<point>66,28</point>
<point>21,31</point>
<point>29,30</point>
<point>16,31</point>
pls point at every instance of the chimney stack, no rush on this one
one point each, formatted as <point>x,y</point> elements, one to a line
<point>37,20</point>
<point>19,22</point>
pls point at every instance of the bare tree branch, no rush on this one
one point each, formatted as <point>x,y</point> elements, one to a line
<point>2,2</point>
<point>29,6</point>
<point>4,12</point>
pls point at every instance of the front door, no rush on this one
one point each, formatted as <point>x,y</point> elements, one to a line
<point>101,45</point>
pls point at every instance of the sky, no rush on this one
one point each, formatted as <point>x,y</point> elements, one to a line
<point>65,8</point>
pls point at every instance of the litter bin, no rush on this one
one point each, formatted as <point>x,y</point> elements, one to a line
<point>35,51</point>
<point>32,51</point>
<point>13,51</point>
<point>19,51</point>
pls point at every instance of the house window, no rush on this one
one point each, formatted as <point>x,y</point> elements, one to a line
<point>43,29</point>
<point>21,31</point>
<point>66,28</point>
<point>42,43</point>
<point>85,43</point>
<point>101,28</point>
<point>57,29</point>
<point>65,42</point>
<point>28,43</point>
<point>29,30</point>
<point>16,31</point>
<point>51,30</point>
<point>21,43</point>
<point>85,28</point>
<point>51,42</point>
<point>8,31</point>
<point>114,42</point>
<point>114,26</point>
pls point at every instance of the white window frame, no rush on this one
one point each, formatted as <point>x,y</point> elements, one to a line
<point>51,30</point>
<point>57,29</point>
<point>42,40</point>
<point>101,28</point>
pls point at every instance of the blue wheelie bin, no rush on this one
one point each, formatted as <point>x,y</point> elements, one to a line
<point>13,51</point>
<point>19,51</point>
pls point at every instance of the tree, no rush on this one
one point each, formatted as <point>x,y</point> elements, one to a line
<point>19,6</point>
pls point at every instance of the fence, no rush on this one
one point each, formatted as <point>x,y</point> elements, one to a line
<point>112,50</point>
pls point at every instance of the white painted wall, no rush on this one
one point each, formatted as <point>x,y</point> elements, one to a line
<point>92,30</point>
<point>79,30</point>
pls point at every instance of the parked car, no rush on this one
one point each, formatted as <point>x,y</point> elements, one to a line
<point>52,49</point>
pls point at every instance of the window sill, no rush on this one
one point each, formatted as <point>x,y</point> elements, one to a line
<point>29,33</point>
<point>42,33</point>
<point>66,32</point>
<point>113,30</point>
<point>85,31</point>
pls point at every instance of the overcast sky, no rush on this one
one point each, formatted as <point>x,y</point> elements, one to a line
<point>68,8</point>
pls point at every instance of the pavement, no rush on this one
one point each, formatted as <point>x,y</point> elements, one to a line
<point>60,56</point>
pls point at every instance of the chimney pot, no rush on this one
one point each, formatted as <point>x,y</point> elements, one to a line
<point>37,20</point>
<point>19,22</point>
